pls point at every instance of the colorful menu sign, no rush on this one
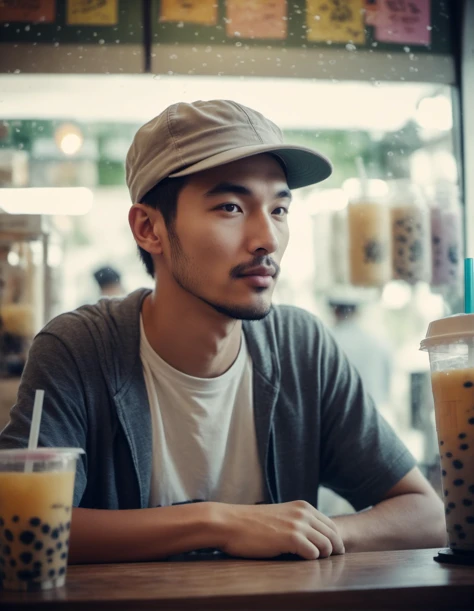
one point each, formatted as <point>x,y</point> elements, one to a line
<point>92,12</point>
<point>189,11</point>
<point>256,19</point>
<point>28,11</point>
<point>335,20</point>
<point>403,21</point>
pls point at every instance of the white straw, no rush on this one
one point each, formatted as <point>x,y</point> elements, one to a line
<point>364,183</point>
<point>35,426</point>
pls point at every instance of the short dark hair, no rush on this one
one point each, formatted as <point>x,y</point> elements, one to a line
<point>163,197</point>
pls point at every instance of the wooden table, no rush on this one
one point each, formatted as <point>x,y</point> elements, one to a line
<point>405,580</point>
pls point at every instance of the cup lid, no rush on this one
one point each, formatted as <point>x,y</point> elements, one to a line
<point>39,454</point>
<point>458,328</point>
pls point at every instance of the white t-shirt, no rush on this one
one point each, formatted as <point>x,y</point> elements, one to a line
<point>204,441</point>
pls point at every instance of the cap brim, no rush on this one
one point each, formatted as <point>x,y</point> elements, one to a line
<point>303,166</point>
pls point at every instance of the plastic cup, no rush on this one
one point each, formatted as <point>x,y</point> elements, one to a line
<point>450,344</point>
<point>36,494</point>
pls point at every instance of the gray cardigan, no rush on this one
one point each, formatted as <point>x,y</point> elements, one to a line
<point>315,424</point>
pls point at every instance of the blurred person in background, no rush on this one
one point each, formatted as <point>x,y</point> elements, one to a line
<point>370,354</point>
<point>109,281</point>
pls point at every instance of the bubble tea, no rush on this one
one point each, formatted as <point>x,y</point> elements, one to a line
<point>369,238</point>
<point>36,493</point>
<point>450,343</point>
<point>411,233</point>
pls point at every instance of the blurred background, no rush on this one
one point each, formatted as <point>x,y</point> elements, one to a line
<point>384,89</point>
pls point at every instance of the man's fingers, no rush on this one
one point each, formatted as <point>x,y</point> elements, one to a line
<point>333,537</point>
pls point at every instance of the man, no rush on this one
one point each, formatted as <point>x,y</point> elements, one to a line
<point>200,390</point>
<point>109,282</point>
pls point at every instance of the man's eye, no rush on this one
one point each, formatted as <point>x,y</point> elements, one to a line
<point>229,207</point>
<point>280,211</point>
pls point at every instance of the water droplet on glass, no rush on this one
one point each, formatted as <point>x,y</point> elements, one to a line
<point>429,28</point>
<point>180,24</point>
<point>238,44</point>
<point>406,49</point>
<point>390,154</point>
<point>101,41</point>
<point>351,47</point>
<point>27,28</point>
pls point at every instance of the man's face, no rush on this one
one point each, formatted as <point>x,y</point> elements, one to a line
<point>229,236</point>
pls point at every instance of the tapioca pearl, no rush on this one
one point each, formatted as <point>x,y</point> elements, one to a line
<point>462,436</point>
<point>470,519</point>
<point>66,543</point>
<point>466,502</point>
<point>449,455</point>
<point>451,505</point>
<point>35,521</point>
<point>62,570</point>
<point>457,464</point>
<point>2,523</point>
<point>12,562</point>
<point>50,560</point>
<point>471,489</point>
<point>464,446</point>
<point>8,535</point>
<point>64,556</point>
<point>441,443</point>
<point>16,519</point>
<point>471,420</point>
<point>26,557</point>
<point>45,528</point>
<point>27,537</point>
<point>443,473</point>
<point>7,550</point>
<point>68,525</point>
<point>51,573</point>
<point>61,528</point>
<point>59,545</point>
<point>468,384</point>
<point>461,535</point>
<point>55,533</point>
<point>457,527</point>
<point>38,545</point>
<point>458,482</point>
<point>37,564</point>
<point>49,551</point>
<point>447,511</point>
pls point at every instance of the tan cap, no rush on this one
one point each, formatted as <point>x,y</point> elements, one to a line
<point>189,138</point>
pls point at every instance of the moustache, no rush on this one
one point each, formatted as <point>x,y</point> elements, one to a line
<point>264,261</point>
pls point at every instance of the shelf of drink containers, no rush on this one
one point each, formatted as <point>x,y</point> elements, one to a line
<point>408,234</point>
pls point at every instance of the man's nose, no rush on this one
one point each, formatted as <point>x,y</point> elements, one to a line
<point>262,234</point>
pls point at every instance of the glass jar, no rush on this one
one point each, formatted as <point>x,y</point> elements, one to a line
<point>369,236</point>
<point>411,232</point>
<point>21,298</point>
<point>446,234</point>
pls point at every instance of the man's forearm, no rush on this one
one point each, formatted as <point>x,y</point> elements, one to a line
<point>100,535</point>
<point>402,522</point>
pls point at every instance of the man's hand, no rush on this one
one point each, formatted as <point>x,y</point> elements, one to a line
<point>264,531</point>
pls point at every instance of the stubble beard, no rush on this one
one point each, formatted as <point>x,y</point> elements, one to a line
<point>180,269</point>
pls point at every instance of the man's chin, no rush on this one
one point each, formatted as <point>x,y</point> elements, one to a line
<point>238,312</point>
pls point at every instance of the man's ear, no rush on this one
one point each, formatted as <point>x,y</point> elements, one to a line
<point>148,228</point>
